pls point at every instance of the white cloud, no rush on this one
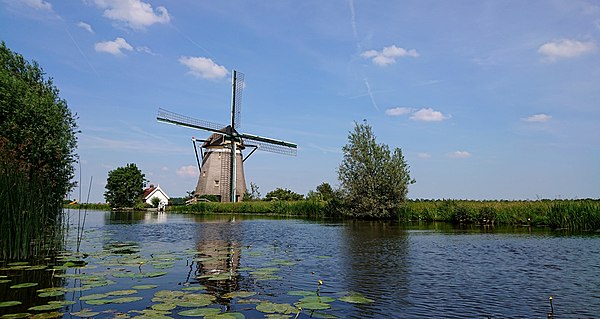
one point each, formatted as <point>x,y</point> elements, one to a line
<point>388,55</point>
<point>460,154</point>
<point>424,155</point>
<point>538,118</point>
<point>428,115</point>
<point>565,48</point>
<point>113,47</point>
<point>85,26</point>
<point>145,49</point>
<point>134,13</point>
<point>187,171</point>
<point>204,67</point>
<point>38,4</point>
<point>397,111</point>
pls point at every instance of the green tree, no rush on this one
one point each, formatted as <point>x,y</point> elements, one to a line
<point>373,180</point>
<point>37,144</point>
<point>36,126</point>
<point>124,186</point>
<point>155,202</point>
<point>254,194</point>
<point>283,194</point>
<point>323,192</point>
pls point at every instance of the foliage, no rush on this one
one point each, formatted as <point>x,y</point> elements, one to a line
<point>283,194</point>
<point>303,208</point>
<point>37,143</point>
<point>254,194</point>
<point>374,181</point>
<point>124,186</point>
<point>155,201</point>
<point>323,192</point>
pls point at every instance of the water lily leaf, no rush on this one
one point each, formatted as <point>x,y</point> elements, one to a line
<point>194,288</point>
<point>93,297</point>
<point>226,315</point>
<point>271,307</point>
<point>283,262</point>
<point>357,299</point>
<point>163,265</point>
<point>39,267</point>
<point>77,289</point>
<point>61,302</point>
<point>3,281</point>
<point>126,299</point>
<point>168,294</point>
<point>24,285</point>
<point>324,257</point>
<point>9,303</point>
<point>164,306</point>
<point>46,307</point>
<point>313,305</point>
<point>96,284</point>
<point>143,287</point>
<point>18,263</point>
<point>51,289</point>
<point>16,315</point>
<point>98,302</point>
<point>51,293</point>
<point>155,274</point>
<point>240,294</point>
<point>47,315</point>
<point>301,293</point>
<point>86,313</point>
<point>277,316</point>
<point>311,299</point>
<point>122,292</point>
<point>223,276</point>
<point>200,312</point>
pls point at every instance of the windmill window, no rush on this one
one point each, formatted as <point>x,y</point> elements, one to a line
<point>216,182</point>
<point>203,173</point>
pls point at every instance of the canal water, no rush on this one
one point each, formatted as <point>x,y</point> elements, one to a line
<point>158,265</point>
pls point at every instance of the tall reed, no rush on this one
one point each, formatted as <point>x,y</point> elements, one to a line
<point>30,220</point>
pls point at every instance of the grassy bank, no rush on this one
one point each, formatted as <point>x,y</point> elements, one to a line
<point>89,206</point>
<point>571,214</point>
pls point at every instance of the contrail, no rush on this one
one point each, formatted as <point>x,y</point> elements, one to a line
<point>192,41</point>
<point>359,50</point>
<point>80,51</point>
<point>371,94</point>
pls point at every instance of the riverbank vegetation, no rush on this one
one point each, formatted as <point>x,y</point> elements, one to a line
<point>581,214</point>
<point>37,143</point>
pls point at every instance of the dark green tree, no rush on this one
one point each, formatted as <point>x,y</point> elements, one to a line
<point>37,144</point>
<point>283,194</point>
<point>323,192</point>
<point>124,186</point>
<point>373,180</point>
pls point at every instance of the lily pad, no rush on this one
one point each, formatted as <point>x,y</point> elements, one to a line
<point>16,315</point>
<point>61,302</point>
<point>3,281</point>
<point>194,288</point>
<point>271,307</point>
<point>357,299</point>
<point>144,287</point>
<point>311,299</point>
<point>313,305</point>
<point>86,313</point>
<point>98,302</point>
<point>240,294</point>
<point>93,297</point>
<point>46,307</point>
<point>51,293</point>
<point>47,315</point>
<point>126,299</point>
<point>9,303</point>
<point>199,312</point>
<point>277,316</point>
<point>122,292</point>
<point>301,293</point>
<point>164,306</point>
<point>24,285</point>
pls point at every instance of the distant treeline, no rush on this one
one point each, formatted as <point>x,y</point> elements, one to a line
<point>583,214</point>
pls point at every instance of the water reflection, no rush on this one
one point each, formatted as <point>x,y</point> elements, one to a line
<point>376,264</point>
<point>219,253</point>
<point>135,217</point>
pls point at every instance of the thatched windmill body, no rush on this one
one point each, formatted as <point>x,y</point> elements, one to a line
<point>222,174</point>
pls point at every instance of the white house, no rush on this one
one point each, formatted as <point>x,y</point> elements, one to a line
<point>152,192</point>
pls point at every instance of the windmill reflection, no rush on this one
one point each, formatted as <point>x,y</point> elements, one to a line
<point>218,259</point>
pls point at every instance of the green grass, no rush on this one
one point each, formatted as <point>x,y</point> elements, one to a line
<point>92,206</point>
<point>571,214</point>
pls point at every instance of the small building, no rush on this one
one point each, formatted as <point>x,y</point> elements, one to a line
<point>152,192</point>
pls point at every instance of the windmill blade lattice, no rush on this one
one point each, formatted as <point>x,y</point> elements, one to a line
<point>238,88</point>
<point>187,121</point>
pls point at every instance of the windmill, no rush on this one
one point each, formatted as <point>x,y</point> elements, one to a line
<point>221,173</point>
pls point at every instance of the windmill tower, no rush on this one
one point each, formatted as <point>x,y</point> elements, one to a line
<point>221,164</point>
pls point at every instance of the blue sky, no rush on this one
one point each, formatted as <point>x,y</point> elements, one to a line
<point>487,99</point>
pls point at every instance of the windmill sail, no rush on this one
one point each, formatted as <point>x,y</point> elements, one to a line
<point>222,167</point>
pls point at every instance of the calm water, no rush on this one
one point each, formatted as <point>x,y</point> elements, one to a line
<point>433,271</point>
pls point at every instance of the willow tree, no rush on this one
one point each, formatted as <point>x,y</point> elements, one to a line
<point>37,143</point>
<point>373,180</point>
